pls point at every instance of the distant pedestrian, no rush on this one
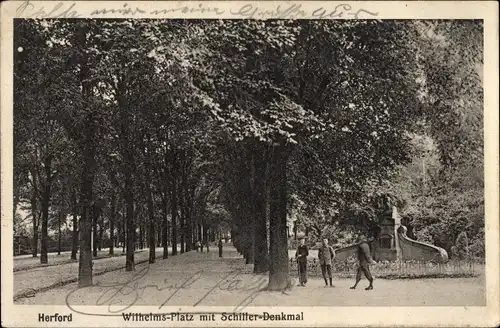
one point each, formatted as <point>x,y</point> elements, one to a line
<point>364,261</point>
<point>220,247</point>
<point>207,245</point>
<point>301,257</point>
<point>326,254</point>
<point>198,245</point>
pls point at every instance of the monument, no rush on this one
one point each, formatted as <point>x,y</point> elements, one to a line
<point>392,243</point>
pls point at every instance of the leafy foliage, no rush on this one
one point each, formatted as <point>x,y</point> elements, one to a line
<point>184,124</point>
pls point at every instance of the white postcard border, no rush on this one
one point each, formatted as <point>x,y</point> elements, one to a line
<point>22,315</point>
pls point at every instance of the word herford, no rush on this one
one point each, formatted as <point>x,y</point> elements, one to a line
<point>42,317</point>
<point>266,316</point>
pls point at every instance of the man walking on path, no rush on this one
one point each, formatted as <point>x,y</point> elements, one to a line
<point>301,257</point>
<point>364,261</point>
<point>220,247</point>
<point>326,255</point>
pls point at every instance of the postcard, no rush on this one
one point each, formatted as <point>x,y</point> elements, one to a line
<point>249,163</point>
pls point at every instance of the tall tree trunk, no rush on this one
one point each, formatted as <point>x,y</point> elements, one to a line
<point>278,270</point>
<point>189,243</point>
<point>151,221</point>
<point>184,203</point>
<point>235,236</point>
<point>59,233</point>
<point>246,212</point>
<point>144,231</point>
<point>151,234</point>
<point>189,231</point>
<point>205,232</point>
<point>95,216</point>
<point>189,197</point>
<point>45,209</point>
<point>74,239</point>
<point>199,237</point>
<point>152,243</point>
<point>34,250</point>
<point>128,166</point>
<point>124,245</point>
<point>141,236</point>
<point>101,231</point>
<point>158,235</point>
<point>268,206</point>
<point>112,219</point>
<point>182,226</point>
<point>124,227</point>
<point>85,224</point>
<point>174,203</point>
<point>164,238</point>
<point>183,237</point>
<point>34,213</point>
<point>249,244</point>
<point>86,145</point>
<point>195,232</point>
<point>129,196</point>
<point>261,254</point>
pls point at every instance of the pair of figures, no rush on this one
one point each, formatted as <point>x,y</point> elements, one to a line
<point>199,246</point>
<point>326,255</point>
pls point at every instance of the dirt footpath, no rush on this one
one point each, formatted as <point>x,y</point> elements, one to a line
<point>205,279</point>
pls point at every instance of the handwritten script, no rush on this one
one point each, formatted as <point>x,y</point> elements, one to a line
<point>119,297</point>
<point>66,9</point>
<point>28,9</point>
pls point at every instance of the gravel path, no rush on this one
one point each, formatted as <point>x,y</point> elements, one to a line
<point>60,270</point>
<point>27,262</point>
<point>205,279</point>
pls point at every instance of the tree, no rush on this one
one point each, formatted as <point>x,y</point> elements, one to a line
<point>40,138</point>
<point>294,118</point>
<point>445,196</point>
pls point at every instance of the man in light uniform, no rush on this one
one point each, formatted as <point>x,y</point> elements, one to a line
<point>326,255</point>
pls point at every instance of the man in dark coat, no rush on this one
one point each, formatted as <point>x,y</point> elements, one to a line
<point>325,256</point>
<point>220,247</point>
<point>301,257</point>
<point>364,261</point>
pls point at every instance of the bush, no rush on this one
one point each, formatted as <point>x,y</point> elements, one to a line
<point>310,242</point>
<point>476,246</point>
<point>424,236</point>
<point>462,246</point>
<point>476,249</point>
<point>396,270</point>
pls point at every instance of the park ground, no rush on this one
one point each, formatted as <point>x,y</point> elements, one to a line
<point>204,279</point>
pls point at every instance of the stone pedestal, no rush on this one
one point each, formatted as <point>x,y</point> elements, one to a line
<point>397,224</point>
<point>384,245</point>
